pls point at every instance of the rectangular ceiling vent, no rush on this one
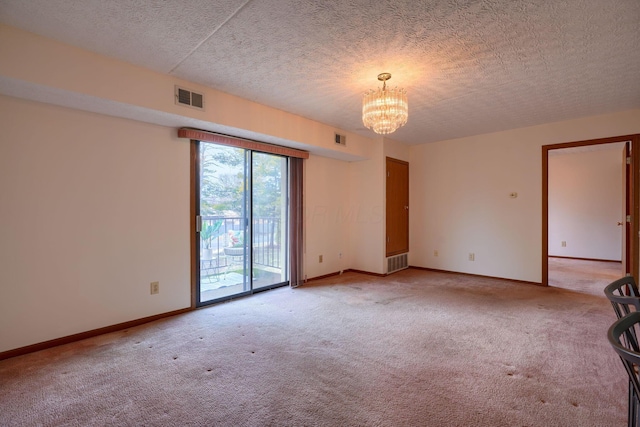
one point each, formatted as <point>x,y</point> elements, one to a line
<point>341,139</point>
<point>189,98</point>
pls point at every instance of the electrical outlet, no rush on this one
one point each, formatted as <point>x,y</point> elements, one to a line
<point>472,256</point>
<point>435,253</point>
<point>564,244</point>
<point>320,258</point>
<point>155,288</point>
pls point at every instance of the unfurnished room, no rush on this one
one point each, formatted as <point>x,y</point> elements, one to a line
<point>285,213</point>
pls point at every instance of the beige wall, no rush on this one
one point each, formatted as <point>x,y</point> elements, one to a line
<point>95,206</point>
<point>366,211</point>
<point>100,276</point>
<point>396,150</point>
<point>460,200</point>
<point>586,196</point>
<point>93,209</point>
<point>327,229</point>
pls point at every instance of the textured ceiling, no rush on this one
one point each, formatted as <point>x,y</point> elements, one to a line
<point>469,67</point>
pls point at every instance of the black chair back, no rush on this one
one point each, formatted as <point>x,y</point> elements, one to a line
<point>622,337</point>
<point>623,295</point>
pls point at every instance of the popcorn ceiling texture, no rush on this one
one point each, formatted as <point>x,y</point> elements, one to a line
<point>469,67</point>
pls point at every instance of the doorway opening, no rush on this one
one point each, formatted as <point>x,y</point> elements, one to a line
<point>580,233</point>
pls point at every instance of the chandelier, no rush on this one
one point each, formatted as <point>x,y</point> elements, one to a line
<point>385,110</point>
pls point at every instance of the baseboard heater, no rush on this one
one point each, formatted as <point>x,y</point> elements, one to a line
<point>397,263</point>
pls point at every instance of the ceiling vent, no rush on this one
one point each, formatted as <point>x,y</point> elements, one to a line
<point>341,139</point>
<point>189,98</point>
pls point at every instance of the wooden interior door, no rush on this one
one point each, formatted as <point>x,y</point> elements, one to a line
<point>397,224</point>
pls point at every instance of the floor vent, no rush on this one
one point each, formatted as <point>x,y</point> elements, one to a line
<point>189,98</point>
<point>397,263</point>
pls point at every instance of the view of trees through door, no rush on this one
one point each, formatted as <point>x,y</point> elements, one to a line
<point>242,221</point>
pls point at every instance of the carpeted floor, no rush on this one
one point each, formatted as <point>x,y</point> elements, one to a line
<point>413,349</point>
<point>583,276</point>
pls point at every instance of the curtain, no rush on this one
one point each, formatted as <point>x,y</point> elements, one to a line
<point>296,213</point>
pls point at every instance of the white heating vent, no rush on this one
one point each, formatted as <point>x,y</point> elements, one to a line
<point>397,263</point>
<point>189,98</point>
<point>341,139</point>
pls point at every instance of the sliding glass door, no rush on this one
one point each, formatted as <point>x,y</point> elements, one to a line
<point>242,222</point>
<point>269,207</point>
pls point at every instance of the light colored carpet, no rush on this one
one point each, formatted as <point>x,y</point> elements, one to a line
<point>413,349</point>
<point>583,276</point>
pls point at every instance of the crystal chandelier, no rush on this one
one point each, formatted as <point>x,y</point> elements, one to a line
<point>385,110</point>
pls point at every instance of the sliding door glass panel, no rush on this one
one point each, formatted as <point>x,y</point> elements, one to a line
<point>224,211</point>
<point>243,222</point>
<point>269,230</point>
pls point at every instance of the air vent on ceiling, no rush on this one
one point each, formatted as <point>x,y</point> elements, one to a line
<point>189,98</point>
<point>341,139</point>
